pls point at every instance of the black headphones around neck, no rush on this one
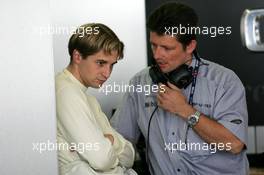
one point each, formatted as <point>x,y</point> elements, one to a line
<point>181,77</point>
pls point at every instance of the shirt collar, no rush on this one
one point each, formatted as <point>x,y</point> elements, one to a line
<point>193,62</point>
<point>74,80</point>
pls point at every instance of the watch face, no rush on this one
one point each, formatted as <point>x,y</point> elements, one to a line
<point>193,120</point>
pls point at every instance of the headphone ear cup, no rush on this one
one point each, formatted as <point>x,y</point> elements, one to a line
<point>156,75</point>
<point>181,77</point>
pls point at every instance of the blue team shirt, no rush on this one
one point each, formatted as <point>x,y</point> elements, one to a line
<point>219,94</point>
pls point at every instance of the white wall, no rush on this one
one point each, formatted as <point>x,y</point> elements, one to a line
<point>27,108</point>
<point>28,46</point>
<point>126,18</point>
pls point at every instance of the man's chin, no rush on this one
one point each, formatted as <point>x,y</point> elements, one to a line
<point>166,70</point>
<point>96,85</point>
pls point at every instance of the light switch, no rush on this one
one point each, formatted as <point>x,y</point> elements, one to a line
<point>252,29</point>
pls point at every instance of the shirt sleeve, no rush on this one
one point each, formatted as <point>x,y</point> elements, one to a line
<point>123,148</point>
<point>124,119</point>
<point>78,124</point>
<point>230,108</point>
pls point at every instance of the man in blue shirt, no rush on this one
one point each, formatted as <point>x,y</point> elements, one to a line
<point>200,129</point>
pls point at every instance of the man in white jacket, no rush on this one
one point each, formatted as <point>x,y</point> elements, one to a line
<point>87,144</point>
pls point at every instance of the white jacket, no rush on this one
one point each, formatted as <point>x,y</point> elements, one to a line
<point>81,125</point>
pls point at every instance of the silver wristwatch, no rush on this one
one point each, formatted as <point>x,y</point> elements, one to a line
<point>193,119</point>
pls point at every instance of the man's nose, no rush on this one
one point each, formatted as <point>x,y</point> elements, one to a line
<point>107,72</point>
<point>157,53</point>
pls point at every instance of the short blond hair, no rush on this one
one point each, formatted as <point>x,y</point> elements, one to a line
<point>91,38</point>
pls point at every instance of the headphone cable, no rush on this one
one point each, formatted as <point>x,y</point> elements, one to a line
<point>147,145</point>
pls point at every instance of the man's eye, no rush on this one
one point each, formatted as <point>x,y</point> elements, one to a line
<point>167,48</point>
<point>153,46</point>
<point>100,63</point>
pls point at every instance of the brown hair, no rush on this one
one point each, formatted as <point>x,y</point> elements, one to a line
<point>91,38</point>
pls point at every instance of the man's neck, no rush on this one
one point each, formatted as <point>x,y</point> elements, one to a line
<point>189,60</point>
<point>74,71</point>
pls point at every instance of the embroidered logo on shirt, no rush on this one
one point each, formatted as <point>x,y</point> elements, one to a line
<point>150,104</point>
<point>202,105</point>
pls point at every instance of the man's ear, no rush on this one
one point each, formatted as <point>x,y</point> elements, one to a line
<point>76,56</point>
<point>191,46</point>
